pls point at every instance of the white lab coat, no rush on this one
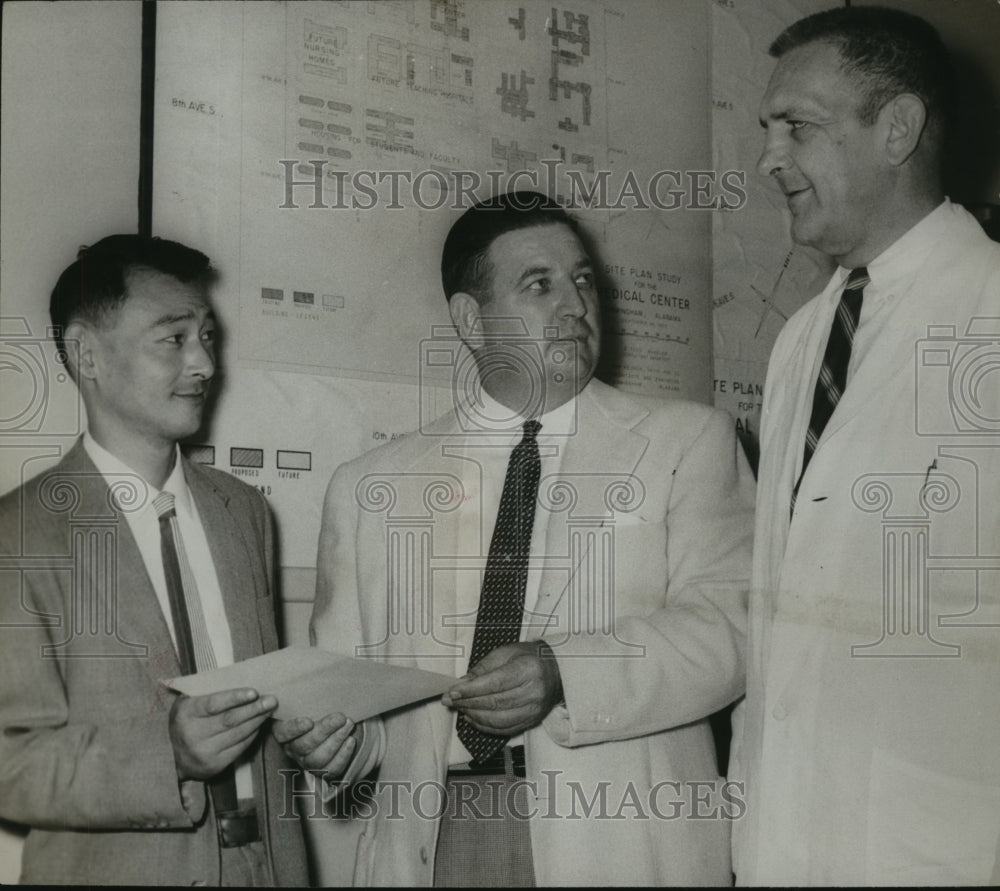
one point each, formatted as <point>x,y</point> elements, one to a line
<point>870,735</point>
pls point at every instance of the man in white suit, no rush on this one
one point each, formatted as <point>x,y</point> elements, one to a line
<point>632,625</point>
<point>869,733</point>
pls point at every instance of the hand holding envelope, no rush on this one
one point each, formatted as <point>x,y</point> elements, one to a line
<point>310,682</point>
<point>326,747</point>
<point>322,698</point>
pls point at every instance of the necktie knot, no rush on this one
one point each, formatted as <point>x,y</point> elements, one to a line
<point>531,429</point>
<point>163,504</point>
<point>858,279</point>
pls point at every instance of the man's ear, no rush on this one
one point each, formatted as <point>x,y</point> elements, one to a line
<point>80,351</point>
<point>904,119</point>
<point>466,314</point>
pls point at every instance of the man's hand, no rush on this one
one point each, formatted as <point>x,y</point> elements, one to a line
<point>209,732</point>
<point>323,747</point>
<point>509,690</point>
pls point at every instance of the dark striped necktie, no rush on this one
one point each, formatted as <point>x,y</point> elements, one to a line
<point>195,653</point>
<point>194,647</point>
<point>501,601</point>
<point>832,378</point>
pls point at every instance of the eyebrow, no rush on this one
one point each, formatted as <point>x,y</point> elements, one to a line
<point>534,270</point>
<point>172,318</point>
<point>779,116</point>
<point>799,107</point>
<point>583,263</point>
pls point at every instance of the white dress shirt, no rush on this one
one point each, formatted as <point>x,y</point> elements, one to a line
<point>144,524</point>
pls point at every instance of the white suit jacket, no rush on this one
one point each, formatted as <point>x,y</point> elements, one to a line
<point>654,497</point>
<point>869,732</point>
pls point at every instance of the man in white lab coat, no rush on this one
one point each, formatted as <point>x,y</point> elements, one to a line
<point>868,739</point>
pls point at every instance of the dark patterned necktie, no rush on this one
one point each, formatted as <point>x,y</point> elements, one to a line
<point>501,601</point>
<point>832,378</point>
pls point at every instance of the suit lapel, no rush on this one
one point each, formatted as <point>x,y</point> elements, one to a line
<point>139,618</point>
<point>442,460</point>
<point>789,395</point>
<point>604,449</point>
<point>232,544</point>
<point>439,459</point>
<point>907,319</point>
<point>873,376</point>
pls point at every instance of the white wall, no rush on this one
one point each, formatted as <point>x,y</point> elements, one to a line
<point>70,149</point>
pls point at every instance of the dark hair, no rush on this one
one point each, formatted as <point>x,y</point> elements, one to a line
<point>465,262</point>
<point>96,283</point>
<point>887,52</point>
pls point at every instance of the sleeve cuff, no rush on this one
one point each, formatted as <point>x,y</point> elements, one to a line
<point>193,800</point>
<point>371,743</point>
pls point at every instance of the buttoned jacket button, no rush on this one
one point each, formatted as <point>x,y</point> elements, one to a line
<point>423,855</point>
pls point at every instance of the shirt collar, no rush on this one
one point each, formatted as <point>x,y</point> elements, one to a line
<point>112,466</point>
<point>897,260</point>
<point>491,416</point>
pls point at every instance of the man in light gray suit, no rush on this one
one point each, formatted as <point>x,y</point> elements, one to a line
<point>625,556</point>
<point>125,565</point>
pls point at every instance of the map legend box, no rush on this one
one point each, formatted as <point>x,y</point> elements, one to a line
<point>246,457</point>
<point>289,460</point>
<point>199,454</point>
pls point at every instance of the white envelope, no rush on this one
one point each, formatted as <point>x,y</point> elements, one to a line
<point>310,682</point>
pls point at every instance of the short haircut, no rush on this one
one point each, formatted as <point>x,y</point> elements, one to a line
<point>887,52</point>
<point>465,261</point>
<point>96,283</point>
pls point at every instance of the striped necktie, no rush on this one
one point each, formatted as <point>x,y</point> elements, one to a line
<point>194,650</point>
<point>501,602</point>
<point>194,647</point>
<point>832,378</point>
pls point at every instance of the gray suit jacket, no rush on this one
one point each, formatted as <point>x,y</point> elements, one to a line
<point>85,756</point>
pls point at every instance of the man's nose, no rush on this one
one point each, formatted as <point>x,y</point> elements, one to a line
<point>571,300</point>
<point>201,359</point>
<point>774,156</point>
